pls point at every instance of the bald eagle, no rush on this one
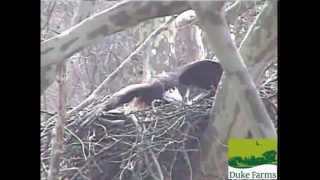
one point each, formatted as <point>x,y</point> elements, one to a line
<point>203,74</point>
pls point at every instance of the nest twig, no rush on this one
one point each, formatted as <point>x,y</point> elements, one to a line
<point>130,142</point>
<point>156,143</point>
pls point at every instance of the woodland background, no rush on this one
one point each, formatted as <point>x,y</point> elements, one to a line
<point>174,44</point>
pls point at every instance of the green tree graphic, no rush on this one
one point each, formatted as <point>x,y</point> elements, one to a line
<point>270,156</point>
<point>246,153</point>
<point>235,161</point>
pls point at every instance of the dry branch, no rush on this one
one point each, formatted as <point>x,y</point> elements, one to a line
<point>58,131</point>
<point>162,141</point>
<point>93,29</point>
<point>97,92</point>
<point>257,49</point>
<point>235,84</point>
<point>117,18</point>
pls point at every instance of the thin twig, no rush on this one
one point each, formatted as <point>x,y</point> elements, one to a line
<point>100,88</point>
<point>49,15</point>
<point>80,141</point>
<point>58,132</point>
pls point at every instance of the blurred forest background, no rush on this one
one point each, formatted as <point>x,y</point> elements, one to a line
<point>176,43</point>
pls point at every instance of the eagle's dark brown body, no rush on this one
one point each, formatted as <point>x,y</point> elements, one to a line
<point>201,74</point>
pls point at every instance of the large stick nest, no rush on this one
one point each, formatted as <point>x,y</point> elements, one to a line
<point>162,141</point>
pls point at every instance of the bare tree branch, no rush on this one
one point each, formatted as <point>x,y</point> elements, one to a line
<point>58,131</point>
<point>95,94</point>
<point>258,49</point>
<point>49,14</point>
<point>238,86</point>
<point>86,8</point>
<point>117,18</point>
<point>238,8</point>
